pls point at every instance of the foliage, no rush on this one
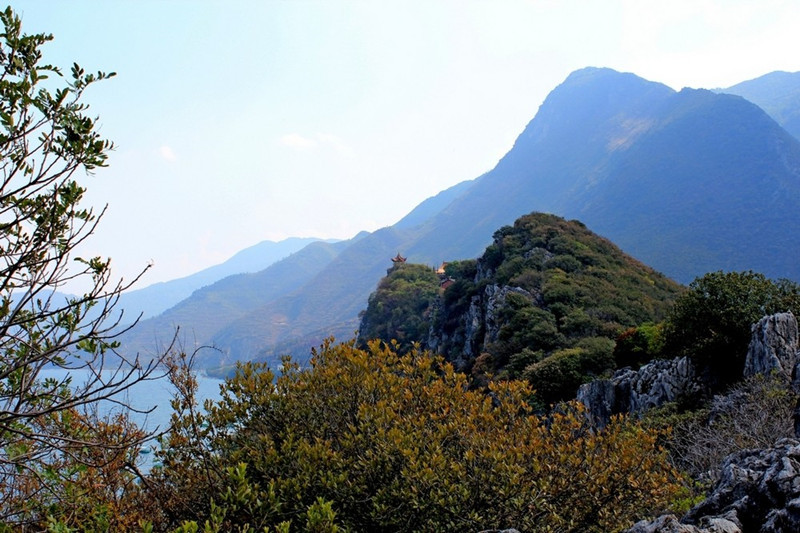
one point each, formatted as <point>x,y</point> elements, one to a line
<point>395,442</point>
<point>399,309</point>
<point>452,304</point>
<point>639,345</point>
<point>83,487</point>
<point>57,456</point>
<point>711,322</point>
<point>545,285</point>
<point>559,375</point>
<point>755,413</point>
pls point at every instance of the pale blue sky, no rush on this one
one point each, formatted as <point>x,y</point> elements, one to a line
<point>237,122</point>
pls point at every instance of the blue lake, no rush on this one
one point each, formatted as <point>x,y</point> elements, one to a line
<point>144,396</point>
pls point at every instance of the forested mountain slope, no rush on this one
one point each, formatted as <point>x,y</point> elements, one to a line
<point>687,182</point>
<point>546,301</point>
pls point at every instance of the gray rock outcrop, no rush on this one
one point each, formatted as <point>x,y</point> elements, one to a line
<point>671,524</point>
<point>636,391</point>
<point>495,299</point>
<point>759,492</point>
<point>773,347</point>
<point>481,323</point>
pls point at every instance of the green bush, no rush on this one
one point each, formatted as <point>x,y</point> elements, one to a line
<point>400,308</point>
<point>711,322</point>
<point>640,345</point>
<point>558,376</point>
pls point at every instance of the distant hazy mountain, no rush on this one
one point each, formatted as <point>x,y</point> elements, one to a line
<point>211,308</point>
<point>687,182</point>
<point>433,205</point>
<point>159,297</point>
<point>777,93</point>
<point>329,302</point>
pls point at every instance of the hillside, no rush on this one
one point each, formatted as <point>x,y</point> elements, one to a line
<point>158,297</point>
<point>325,303</point>
<point>777,93</point>
<point>211,308</point>
<point>546,301</point>
<point>687,182</point>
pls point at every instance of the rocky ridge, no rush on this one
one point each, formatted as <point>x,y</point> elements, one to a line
<point>773,348</point>
<point>636,391</point>
<point>758,490</point>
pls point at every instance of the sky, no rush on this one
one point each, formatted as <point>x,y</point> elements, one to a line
<point>236,122</point>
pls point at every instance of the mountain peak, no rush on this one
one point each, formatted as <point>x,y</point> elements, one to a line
<point>777,93</point>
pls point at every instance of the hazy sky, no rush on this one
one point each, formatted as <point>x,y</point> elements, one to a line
<point>237,122</point>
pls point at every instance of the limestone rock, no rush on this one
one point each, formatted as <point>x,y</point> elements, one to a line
<point>671,524</point>
<point>758,492</point>
<point>481,323</point>
<point>773,347</point>
<point>634,392</point>
<point>495,298</point>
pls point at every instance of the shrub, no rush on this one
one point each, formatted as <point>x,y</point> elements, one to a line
<point>640,345</point>
<point>400,307</point>
<point>398,442</point>
<point>755,413</point>
<point>558,376</point>
<point>711,322</point>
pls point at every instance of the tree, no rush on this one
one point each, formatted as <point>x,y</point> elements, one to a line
<point>48,427</point>
<point>711,322</point>
<point>400,308</point>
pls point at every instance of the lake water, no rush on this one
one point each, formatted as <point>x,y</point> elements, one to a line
<point>143,396</point>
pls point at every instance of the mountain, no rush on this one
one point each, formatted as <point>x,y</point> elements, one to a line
<point>777,93</point>
<point>156,298</point>
<point>687,182</point>
<point>546,301</point>
<point>433,205</point>
<point>329,302</point>
<point>209,309</point>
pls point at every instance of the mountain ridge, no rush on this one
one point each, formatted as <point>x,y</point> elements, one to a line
<point>686,182</point>
<point>158,297</point>
<point>777,93</point>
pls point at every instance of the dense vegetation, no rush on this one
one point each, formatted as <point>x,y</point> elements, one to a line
<point>711,322</point>
<point>550,298</point>
<point>398,443</point>
<point>400,308</point>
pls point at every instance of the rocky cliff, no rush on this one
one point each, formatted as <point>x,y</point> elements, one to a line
<point>773,349</point>
<point>634,392</point>
<point>774,346</point>
<point>758,490</point>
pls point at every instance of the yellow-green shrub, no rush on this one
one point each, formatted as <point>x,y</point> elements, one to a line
<point>399,443</point>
